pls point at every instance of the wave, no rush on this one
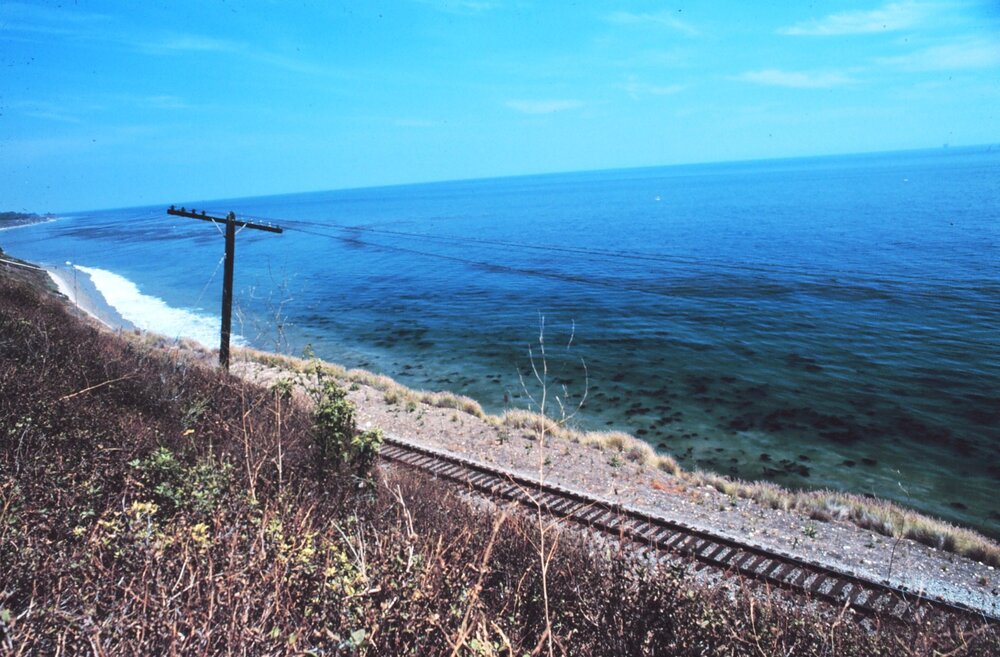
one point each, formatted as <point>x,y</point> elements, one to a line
<point>151,313</point>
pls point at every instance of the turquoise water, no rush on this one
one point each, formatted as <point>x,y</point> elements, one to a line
<point>826,322</point>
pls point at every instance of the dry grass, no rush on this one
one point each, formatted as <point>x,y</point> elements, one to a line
<point>880,516</point>
<point>393,392</point>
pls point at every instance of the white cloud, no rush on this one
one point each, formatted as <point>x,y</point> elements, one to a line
<point>796,79</point>
<point>35,148</point>
<point>78,109</point>
<point>461,6</point>
<point>974,53</point>
<point>635,88</point>
<point>660,19</point>
<point>672,58</point>
<point>543,106</point>
<point>166,102</point>
<point>415,123</point>
<point>131,102</point>
<point>26,23</point>
<point>890,17</point>
<point>168,44</point>
<point>38,23</point>
<point>46,111</point>
<point>188,43</point>
<point>32,18</point>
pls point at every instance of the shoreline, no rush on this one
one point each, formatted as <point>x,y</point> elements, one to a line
<point>78,286</point>
<point>24,223</point>
<point>168,470</point>
<point>817,526</point>
<point>80,290</point>
<point>747,424</point>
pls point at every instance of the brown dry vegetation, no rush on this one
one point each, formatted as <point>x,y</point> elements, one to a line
<point>149,505</point>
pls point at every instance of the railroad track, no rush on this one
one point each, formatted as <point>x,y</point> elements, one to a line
<point>754,562</point>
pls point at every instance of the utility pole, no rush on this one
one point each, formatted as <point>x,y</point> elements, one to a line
<point>227,278</point>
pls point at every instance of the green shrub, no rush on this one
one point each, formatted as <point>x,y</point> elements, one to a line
<point>336,435</point>
<point>365,447</point>
<point>193,413</point>
<point>283,388</point>
<point>176,487</point>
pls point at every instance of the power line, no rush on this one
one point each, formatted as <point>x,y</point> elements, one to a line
<point>494,266</point>
<point>760,268</point>
<point>210,279</point>
<point>637,287</point>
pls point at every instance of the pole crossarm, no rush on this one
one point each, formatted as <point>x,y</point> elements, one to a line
<point>194,214</point>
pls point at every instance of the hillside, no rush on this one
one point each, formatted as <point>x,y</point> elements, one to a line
<point>152,505</point>
<point>12,219</point>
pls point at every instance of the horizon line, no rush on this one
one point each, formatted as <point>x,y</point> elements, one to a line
<point>417,183</point>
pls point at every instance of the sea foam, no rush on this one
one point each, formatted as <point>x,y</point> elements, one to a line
<point>150,313</point>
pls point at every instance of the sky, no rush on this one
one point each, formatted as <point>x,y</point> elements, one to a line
<point>115,104</point>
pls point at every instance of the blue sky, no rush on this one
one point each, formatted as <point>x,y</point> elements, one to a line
<point>111,104</point>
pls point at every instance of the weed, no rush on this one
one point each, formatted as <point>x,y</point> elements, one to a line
<point>283,388</point>
<point>193,413</point>
<point>334,417</point>
<point>175,487</point>
<point>336,435</point>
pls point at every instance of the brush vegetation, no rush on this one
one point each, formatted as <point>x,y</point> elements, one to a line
<point>150,505</point>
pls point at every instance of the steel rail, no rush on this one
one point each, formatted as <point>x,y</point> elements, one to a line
<point>752,561</point>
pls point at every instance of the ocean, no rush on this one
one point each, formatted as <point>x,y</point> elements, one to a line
<point>821,322</point>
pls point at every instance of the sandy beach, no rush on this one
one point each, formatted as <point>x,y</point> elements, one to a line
<point>83,294</point>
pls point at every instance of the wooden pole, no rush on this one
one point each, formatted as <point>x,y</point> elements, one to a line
<point>227,290</point>
<point>227,278</point>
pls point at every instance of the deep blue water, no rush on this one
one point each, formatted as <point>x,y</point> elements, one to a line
<point>824,322</point>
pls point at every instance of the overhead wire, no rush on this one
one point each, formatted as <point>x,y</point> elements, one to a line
<point>757,268</point>
<point>210,279</point>
<point>495,266</point>
<point>299,225</point>
<point>616,284</point>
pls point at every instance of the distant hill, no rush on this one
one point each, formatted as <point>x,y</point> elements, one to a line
<point>11,219</point>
